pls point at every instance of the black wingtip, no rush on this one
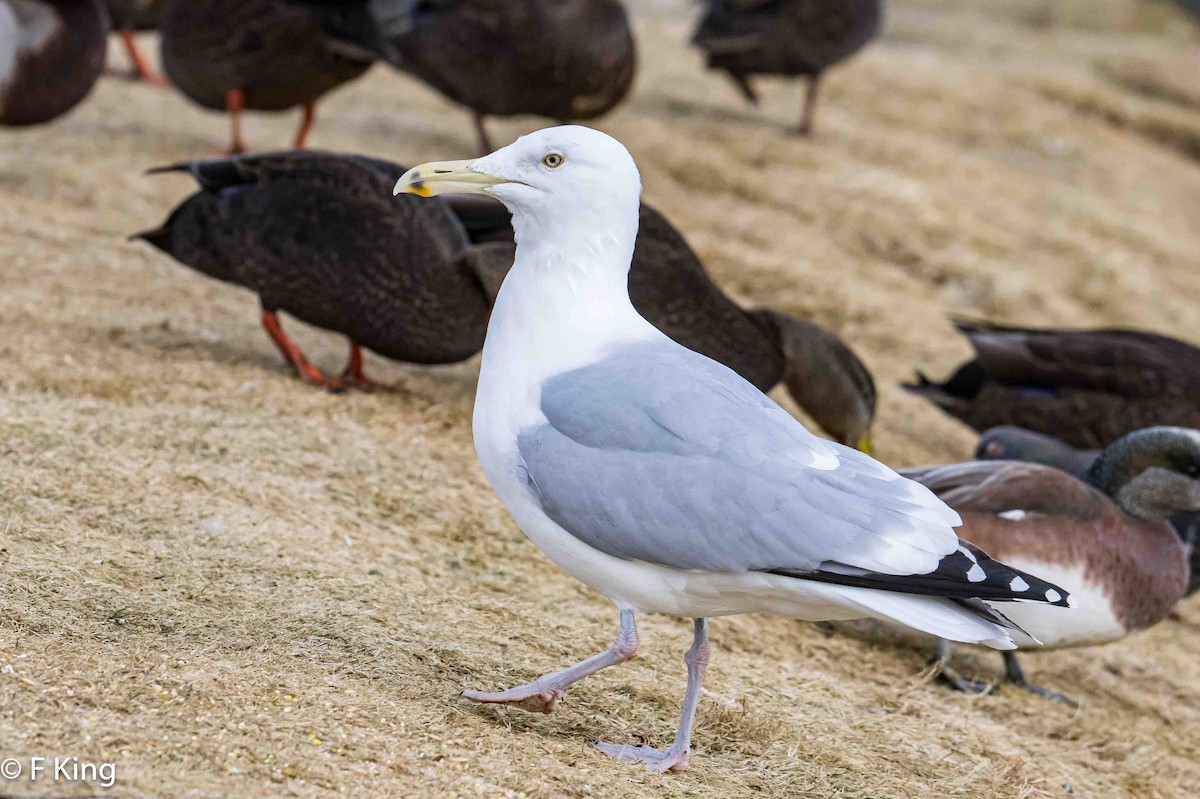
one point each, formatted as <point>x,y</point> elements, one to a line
<point>967,325</point>
<point>922,383</point>
<point>182,166</point>
<point>1007,584</point>
<point>158,237</point>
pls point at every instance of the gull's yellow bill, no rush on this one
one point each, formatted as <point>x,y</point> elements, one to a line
<point>445,177</point>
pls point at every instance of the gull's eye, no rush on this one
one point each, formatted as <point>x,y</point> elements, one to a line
<point>553,160</point>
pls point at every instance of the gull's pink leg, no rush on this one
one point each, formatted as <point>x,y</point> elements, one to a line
<point>541,695</point>
<point>675,758</point>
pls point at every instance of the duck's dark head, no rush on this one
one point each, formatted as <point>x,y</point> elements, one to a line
<point>1152,473</point>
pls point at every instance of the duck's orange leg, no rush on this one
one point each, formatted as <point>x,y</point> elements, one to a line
<point>306,123</point>
<point>235,101</point>
<point>292,354</point>
<point>353,376</point>
<point>141,67</point>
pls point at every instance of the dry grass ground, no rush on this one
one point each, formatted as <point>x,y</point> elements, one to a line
<point>230,584</point>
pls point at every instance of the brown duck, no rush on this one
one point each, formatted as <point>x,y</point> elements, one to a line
<point>51,54</point>
<point>785,37</point>
<point>1106,539</point>
<point>1086,387</point>
<point>315,235</point>
<point>271,55</point>
<point>562,59</point>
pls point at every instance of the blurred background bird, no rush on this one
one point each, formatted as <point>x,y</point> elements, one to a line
<point>793,38</point>
<point>51,54</point>
<point>559,59</point>
<point>272,55</point>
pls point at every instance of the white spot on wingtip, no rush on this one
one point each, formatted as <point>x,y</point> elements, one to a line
<point>976,574</point>
<point>1018,584</point>
<point>1015,515</point>
<point>1052,595</point>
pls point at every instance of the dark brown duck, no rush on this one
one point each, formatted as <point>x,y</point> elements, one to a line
<point>315,235</point>
<point>320,237</point>
<point>1086,387</point>
<point>51,54</point>
<point>794,38</point>
<point>562,59</point>
<point>271,55</point>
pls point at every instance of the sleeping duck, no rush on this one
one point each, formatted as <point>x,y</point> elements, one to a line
<point>1086,387</point>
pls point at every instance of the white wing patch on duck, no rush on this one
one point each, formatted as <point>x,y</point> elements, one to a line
<point>1014,515</point>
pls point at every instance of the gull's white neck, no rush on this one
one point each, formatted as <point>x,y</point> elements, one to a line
<point>564,304</point>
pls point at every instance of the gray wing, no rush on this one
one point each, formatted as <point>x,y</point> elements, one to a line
<point>661,455</point>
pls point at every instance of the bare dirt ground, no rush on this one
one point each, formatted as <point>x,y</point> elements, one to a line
<point>230,584</point>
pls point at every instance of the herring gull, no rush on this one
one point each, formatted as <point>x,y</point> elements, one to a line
<point>660,477</point>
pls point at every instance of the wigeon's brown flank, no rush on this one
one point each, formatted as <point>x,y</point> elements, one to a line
<point>788,37</point>
<point>270,55</point>
<point>1016,443</point>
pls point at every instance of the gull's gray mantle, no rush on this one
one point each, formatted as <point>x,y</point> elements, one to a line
<point>659,455</point>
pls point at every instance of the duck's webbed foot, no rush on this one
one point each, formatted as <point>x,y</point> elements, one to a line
<point>1015,675</point>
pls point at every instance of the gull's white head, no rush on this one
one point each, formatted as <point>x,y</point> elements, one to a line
<point>557,182</point>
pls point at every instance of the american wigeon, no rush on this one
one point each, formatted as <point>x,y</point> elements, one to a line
<point>1107,539</point>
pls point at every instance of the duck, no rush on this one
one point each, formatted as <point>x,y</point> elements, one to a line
<point>129,17</point>
<point>1107,539</point>
<point>425,297</point>
<point>51,55</point>
<point>317,235</point>
<point>562,59</point>
<point>803,38</point>
<point>272,55</point>
<point>1085,387</point>
<point>1018,444</point>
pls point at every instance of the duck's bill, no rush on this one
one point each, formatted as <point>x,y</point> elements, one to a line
<point>445,177</point>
